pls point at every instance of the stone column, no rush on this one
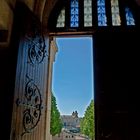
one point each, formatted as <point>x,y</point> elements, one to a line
<point>53,49</point>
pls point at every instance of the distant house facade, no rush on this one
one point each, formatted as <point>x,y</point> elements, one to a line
<point>71,122</point>
<point>71,128</point>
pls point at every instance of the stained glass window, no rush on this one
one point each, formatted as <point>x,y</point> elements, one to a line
<point>87,13</point>
<point>74,13</point>
<point>129,17</point>
<point>102,19</point>
<point>116,21</point>
<point>61,19</point>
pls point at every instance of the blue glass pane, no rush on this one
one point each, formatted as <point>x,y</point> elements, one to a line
<point>102,19</point>
<point>74,13</point>
<point>129,17</point>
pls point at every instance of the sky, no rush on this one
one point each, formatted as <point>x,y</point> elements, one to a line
<point>72,79</point>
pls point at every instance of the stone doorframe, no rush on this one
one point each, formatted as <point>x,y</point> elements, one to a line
<point>52,52</point>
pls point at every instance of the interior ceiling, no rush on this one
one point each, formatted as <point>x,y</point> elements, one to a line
<point>138,1</point>
<point>49,5</point>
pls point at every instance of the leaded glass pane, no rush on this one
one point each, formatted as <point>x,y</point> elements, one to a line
<point>74,12</point>
<point>129,17</point>
<point>102,19</point>
<point>116,21</point>
<point>87,13</point>
<point>61,19</point>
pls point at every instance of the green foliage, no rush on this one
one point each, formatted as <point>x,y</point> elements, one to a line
<point>56,124</point>
<point>87,126</point>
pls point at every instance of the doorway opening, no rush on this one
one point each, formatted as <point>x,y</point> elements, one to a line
<point>72,107</point>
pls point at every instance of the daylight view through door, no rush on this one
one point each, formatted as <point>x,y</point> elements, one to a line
<point>72,102</point>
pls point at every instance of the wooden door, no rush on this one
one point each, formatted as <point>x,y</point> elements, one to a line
<point>115,71</point>
<point>30,95</point>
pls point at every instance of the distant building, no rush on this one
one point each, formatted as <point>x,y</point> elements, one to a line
<point>71,128</point>
<point>71,122</point>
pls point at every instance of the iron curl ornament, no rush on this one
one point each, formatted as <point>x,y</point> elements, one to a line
<point>37,49</point>
<point>35,42</point>
<point>33,105</point>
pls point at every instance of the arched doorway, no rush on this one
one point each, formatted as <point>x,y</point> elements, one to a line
<point>111,58</point>
<point>111,76</point>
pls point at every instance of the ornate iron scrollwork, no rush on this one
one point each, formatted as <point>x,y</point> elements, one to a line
<point>36,51</point>
<point>36,43</point>
<point>33,105</point>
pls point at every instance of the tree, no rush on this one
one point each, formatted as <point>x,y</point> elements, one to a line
<point>87,123</point>
<point>56,124</point>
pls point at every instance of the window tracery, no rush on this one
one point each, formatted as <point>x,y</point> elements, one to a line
<point>88,16</point>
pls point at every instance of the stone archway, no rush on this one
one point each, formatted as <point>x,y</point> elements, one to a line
<point>102,87</point>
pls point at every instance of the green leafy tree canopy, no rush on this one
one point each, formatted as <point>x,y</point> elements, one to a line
<point>56,123</point>
<point>87,125</point>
